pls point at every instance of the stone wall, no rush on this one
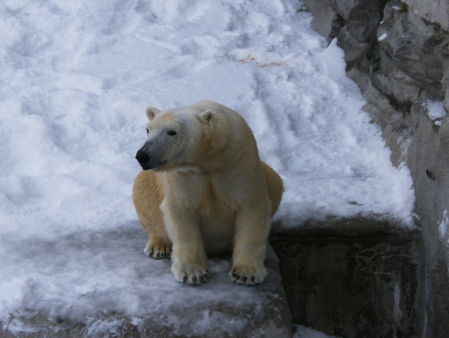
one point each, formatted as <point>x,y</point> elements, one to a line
<point>398,54</point>
<point>351,282</point>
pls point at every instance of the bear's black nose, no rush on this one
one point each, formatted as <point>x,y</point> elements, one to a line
<point>142,157</point>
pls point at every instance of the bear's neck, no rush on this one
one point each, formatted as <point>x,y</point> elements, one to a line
<point>227,158</point>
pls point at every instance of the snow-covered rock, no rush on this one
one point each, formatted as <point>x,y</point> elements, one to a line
<point>106,287</point>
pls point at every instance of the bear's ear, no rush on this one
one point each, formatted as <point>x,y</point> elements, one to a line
<point>206,116</point>
<point>152,112</point>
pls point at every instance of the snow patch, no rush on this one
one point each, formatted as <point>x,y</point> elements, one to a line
<point>443,225</point>
<point>400,7</point>
<point>333,63</point>
<point>436,111</point>
<point>382,37</point>
<point>301,331</point>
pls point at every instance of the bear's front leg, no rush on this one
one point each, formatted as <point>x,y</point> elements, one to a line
<point>189,260</point>
<point>250,246</point>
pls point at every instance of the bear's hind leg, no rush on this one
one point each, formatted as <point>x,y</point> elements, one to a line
<point>275,187</point>
<point>157,247</point>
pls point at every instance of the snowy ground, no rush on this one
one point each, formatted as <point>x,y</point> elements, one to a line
<point>75,79</point>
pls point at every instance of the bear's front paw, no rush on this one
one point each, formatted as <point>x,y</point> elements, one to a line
<point>158,248</point>
<point>248,274</point>
<point>193,274</point>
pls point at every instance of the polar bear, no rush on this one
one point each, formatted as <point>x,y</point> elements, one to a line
<point>203,189</point>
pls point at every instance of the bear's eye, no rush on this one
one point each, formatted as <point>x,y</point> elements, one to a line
<point>171,133</point>
<point>148,130</point>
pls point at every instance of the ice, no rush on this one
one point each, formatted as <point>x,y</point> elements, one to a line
<point>76,78</point>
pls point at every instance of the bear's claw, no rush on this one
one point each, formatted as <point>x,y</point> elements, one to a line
<point>248,275</point>
<point>196,279</point>
<point>193,275</point>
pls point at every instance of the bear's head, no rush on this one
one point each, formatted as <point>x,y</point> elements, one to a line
<point>182,138</point>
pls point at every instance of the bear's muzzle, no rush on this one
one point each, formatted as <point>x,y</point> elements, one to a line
<point>147,161</point>
<point>142,157</point>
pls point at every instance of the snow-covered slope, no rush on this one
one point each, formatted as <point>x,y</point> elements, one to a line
<point>75,79</point>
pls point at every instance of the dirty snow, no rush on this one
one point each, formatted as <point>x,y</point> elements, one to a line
<point>76,77</point>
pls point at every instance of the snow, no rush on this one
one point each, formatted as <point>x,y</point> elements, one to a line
<point>400,7</point>
<point>382,37</point>
<point>76,78</point>
<point>306,332</point>
<point>442,227</point>
<point>82,278</point>
<point>436,111</point>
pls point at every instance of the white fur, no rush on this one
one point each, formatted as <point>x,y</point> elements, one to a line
<point>214,195</point>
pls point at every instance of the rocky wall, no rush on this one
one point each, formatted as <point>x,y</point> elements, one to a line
<point>353,283</point>
<point>398,54</point>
